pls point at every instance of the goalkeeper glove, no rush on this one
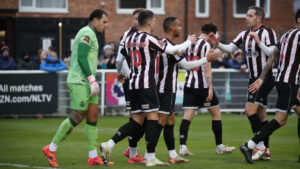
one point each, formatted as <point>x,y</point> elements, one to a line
<point>93,85</point>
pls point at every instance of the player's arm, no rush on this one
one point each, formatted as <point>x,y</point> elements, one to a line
<point>125,69</point>
<point>187,65</point>
<point>267,49</point>
<point>256,85</point>
<point>208,77</point>
<point>120,59</point>
<point>177,49</point>
<point>229,48</point>
<point>83,52</point>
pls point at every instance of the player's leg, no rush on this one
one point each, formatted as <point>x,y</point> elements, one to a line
<point>217,129</point>
<point>262,148</point>
<point>170,141</point>
<point>285,100</point>
<point>190,104</point>
<point>79,104</point>
<point>297,110</point>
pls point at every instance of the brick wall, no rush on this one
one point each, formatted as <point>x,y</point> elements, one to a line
<point>281,16</point>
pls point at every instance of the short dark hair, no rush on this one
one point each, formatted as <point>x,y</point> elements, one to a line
<point>258,11</point>
<point>168,22</point>
<point>97,13</point>
<point>208,28</point>
<point>137,10</point>
<point>297,15</point>
<point>144,16</point>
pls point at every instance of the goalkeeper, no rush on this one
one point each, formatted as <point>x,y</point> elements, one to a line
<point>83,89</point>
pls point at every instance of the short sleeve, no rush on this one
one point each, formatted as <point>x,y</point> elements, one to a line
<point>157,43</point>
<point>239,39</point>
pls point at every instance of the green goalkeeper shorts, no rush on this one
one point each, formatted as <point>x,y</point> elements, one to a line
<point>81,96</point>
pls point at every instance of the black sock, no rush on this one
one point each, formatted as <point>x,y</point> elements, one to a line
<point>184,127</point>
<point>151,135</point>
<point>132,141</point>
<point>169,137</point>
<point>217,129</point>
<point>255,123</point>
<point>159,129</point>
<point>266,131</point>
<point>128,129</point>
<point>266,140</point>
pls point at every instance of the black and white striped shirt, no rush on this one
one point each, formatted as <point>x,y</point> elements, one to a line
<point>256,58</point>
<point>195,78</point>
<point>123,38</point>
<point>168,71</point>
<point>141,48</point>
<point>288,68</point>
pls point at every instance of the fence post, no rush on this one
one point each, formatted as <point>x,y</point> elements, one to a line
<point>102,92</point>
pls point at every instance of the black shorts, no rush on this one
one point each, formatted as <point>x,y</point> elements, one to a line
<point>127,93</point>
<point>261,96</point>
<point>143,100</point>
<point>195,98</point>
<point>166,102</point>
<point>287,96</point>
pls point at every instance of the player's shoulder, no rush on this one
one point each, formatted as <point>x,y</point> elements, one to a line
<point>267,28</point>
<point>87,31</point>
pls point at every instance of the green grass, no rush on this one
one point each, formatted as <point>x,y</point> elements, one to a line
<point>21,141</point>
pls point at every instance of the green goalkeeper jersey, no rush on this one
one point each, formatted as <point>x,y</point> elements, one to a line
<point>84,57</point>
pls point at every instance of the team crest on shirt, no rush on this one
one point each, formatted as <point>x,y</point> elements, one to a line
<point>87,39</point>
<point>81,104</point>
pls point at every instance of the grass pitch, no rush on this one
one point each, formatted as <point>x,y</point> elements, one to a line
<point>21,142</point>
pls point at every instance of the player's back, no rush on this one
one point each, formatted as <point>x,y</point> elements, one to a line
<point>141,47</point>
<point>195,78</point>
<point>288,68</point>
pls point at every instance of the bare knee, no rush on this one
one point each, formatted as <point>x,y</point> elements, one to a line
<point>162,119</point>
<point>281,118</point>
<point>250,109</point>
<point>171,119</point>
<point>215,113</point>
<point>189,114</point>
<point>78,115</point>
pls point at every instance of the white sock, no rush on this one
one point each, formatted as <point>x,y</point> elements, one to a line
<point>53,147</point>
<point>260,145</point>
<point>145,156</point>
<point>251,144</point>
<point>93,154</point>
<point>182,147</point>
<point>132,152</point>
<point>150,156</point>
<point>111,144</point>
<point>172,154</point>
<point>220,146</point>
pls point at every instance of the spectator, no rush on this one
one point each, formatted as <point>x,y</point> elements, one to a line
<point>238,61</point>
<point>108,61</point>
<point>67,60</point>
<point>6,62</point>
<point>113,47</point>
<point>52,63</point>
<point>26,63</point>
<point>41,55</point>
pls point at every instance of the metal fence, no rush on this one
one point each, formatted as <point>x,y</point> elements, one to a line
<point>230,86</point>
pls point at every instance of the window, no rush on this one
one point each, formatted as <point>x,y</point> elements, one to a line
<point>128,6</point>
<point>44,6</point>
<point>202,8</point>
<point>240,7</point>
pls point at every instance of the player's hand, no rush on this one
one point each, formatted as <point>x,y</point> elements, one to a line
<point>213,55</point>
<point>255,85</point>
<point>93,85</point>
<point>210,95</point>
<point>213,39</point>
<point>255,37</point>
<point>121,78</point>
<point>192,38</point>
